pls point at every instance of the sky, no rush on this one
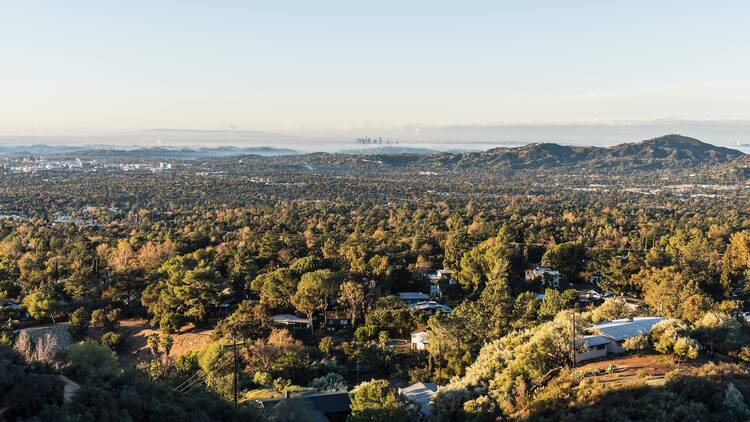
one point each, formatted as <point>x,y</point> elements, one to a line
<point>339,69</point>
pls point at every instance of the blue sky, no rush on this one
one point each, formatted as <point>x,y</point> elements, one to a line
<point>69,67</point>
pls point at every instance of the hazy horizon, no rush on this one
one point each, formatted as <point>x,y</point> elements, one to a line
<point>453,137</point>
<point>420,72</point>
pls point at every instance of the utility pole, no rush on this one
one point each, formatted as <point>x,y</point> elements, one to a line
<point>573,335</point>
<point>234,346</point>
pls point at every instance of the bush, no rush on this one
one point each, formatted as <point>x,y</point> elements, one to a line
<point>105,318</point>
<point>90,360</point>
<point>637,343</point>
<point>112,340</point>
<point>79,323</point>
<point>170,323</point>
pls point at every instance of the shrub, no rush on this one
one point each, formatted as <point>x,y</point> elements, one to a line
<point>113,340</point>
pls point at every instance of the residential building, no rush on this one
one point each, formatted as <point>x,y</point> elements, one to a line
<point>619,330</point>
<point>413,297</point>
<point>595,347</point>
<point>549,277</point>
<point>337,319</point>
<point>430,307</point>
<point>330,406</point>
<point>420,393</point>
<point>291,321</point>
<point>419,340</point>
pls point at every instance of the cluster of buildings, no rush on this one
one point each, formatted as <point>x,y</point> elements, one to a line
<point>27,165</point>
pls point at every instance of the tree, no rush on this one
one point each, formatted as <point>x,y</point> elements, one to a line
<point>248,321</point>
<point>187,286</point>
<point>313,292</point>
<point>353,296</point>
<point>611,309</point>
<point>91,360</point>
<point>275,288</point>
<point>79,323</point>
<point>665,290</point>
<point>485,263</point>
<point>569,258</point>
<point>330,382</point>
<point>105,318</point>
<point>671,337</point>
<point>377,401</point>
<point>41,305</point>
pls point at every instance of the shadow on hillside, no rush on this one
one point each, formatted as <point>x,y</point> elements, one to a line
<point>683,398</point>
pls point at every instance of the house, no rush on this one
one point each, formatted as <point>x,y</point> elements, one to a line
<point>430,307</point>
<point>619,330</point>
<point>595,347</point>
<point>413,297</point>
<point>608,337</point>
<point>589,296</point>
<point>439,281</point>
<point>329,406</point>
<point>419,340</point>
<point>337,319</point>
<point>549,277</point>
<point>420,393</point>
<point>291,321</point>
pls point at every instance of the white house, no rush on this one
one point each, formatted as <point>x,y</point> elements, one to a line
<point>413,297</point>
<point>420,393</point>
<point>419,340</point>
<point>596,347</point>
<point>608,337</point>
<point>548,276</point>
<point>439,280</point>
<point>291,321</point>
<point>431,307</point>
<point>620,330</point>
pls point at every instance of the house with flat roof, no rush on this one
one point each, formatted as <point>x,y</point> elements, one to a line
<point>620,330</point>
<point>329,406</point>
<point>413,297</point>
<point>430,307</point>
<point>594,346</point>
<point>420,393</point>
<point>291,321</point>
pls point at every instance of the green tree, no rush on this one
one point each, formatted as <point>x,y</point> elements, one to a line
<point>377,401</point>
<point>187,286</point>
<point>569,258</point>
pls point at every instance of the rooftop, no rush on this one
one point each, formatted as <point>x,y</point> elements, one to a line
<point>420,393</point>
<point>289,319</point>
<point>621,329</point>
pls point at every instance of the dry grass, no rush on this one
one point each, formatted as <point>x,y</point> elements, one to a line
<point>651,368</point>
<point>136,331</point>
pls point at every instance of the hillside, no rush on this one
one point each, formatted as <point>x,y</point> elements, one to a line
<point>666,152</point>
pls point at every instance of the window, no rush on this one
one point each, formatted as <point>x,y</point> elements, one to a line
<point>601,347</point>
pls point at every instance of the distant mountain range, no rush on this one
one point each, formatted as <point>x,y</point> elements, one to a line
<point>139,152</point>
<point>665,152</point>
<point>662,152</point>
